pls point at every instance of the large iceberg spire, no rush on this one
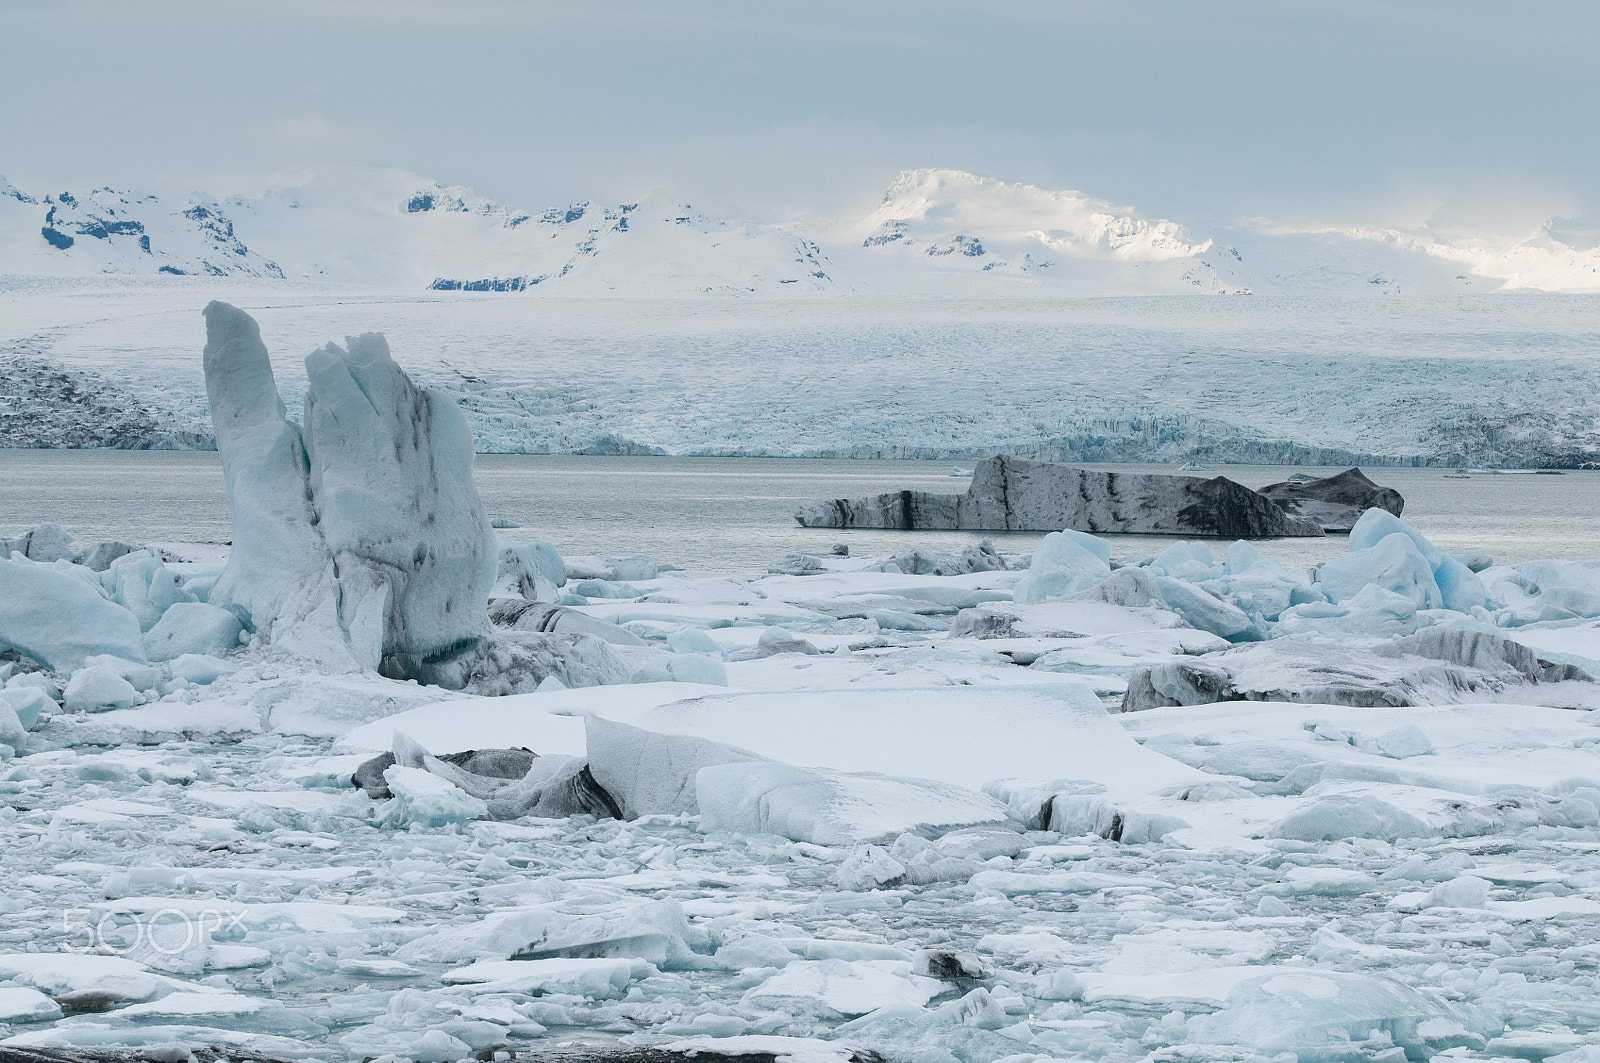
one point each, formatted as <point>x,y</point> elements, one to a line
<point>363,537</point>
<point>279,577</point>
<point>391,482</point>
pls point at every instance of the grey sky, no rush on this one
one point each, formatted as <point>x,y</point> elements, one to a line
<point>1477,114</point>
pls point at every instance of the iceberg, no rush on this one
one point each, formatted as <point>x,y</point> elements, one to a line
<point>46,543</point>
<point>1394,564</point>
<point>827,807</point>
<point>652,773</point>
<point>99,689</point>
<point>1371,612</point>
<point>534,571</point>
<point>1324,1016</point>
<point>1387,552</point>
<point>140,583</point>
<point>428,800</point>
<point>1438,666</point>
<point>1335,502</point>
<point>29,703</point>
<point>1013,494</point>
<point>279,577</point>
<point>362,537</point>
<point>1206,611</point>
<point>390,471</point>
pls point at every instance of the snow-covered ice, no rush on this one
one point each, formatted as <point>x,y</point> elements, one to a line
<point>934,843</point>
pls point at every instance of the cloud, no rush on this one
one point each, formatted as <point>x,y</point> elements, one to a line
<point>1356,112</point>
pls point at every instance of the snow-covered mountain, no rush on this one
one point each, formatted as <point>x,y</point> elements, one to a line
<point>949,224</point>
<point>389,228</point>
<point>935,232</point>
<point>106,231</point>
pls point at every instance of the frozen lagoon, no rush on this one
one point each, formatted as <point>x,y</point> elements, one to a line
<point>1346,883</point>
<point>199,869</point>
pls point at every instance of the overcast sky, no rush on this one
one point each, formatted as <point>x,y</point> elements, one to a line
<point>1472,113</point>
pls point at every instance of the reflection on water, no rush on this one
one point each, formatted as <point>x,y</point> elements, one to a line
<point>737,513</point>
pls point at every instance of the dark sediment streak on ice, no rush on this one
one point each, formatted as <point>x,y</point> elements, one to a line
<point>1012,494</point>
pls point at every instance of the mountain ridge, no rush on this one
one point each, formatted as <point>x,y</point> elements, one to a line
<point>934,232</point>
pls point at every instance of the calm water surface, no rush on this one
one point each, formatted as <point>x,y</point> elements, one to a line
<point>736,514</point>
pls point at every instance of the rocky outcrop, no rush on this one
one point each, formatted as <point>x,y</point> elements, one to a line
<point>1335,502</point>
<point>1012,494</point>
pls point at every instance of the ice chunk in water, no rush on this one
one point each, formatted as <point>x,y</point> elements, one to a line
<point>704,668</point>
<point>1363,816</point>
<point>279,577</point>
<point>655,932</point>
<point>1206,612</point>
<point>1465,891</point>
<point>391,481</point>
<point>99,689</point>
<point>692,640</point>
<point>47,543</point>
<point>1371,613</point>
<point>200,669</point>
<point>1065,562</point>
<point>530,570</point>
<point>838,988</point>
<point>425,799</point>
<point>381,481</point>
<point>868,867</point>
<point>1186,561</point>
<point>1388,552</point>
<point>831,807</point>
<point>1407,740</point>
<point>1376,525</point>
<point>140,583</point>
<point>192,628</point>
<point>26,1004</point>
<point>1393,563</point>
<point>1320,1015</point>
<point>28,703</point>
<point>1459,587</point>
<point>1241,555</point>
<point>648,773</point>
<point>57,615</point>
<point>590,977</point>
<point>12,732</point>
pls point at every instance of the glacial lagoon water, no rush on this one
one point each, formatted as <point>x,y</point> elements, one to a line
<point>736,514</point>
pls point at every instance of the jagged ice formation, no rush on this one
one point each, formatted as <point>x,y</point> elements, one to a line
<point>363,536</point>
